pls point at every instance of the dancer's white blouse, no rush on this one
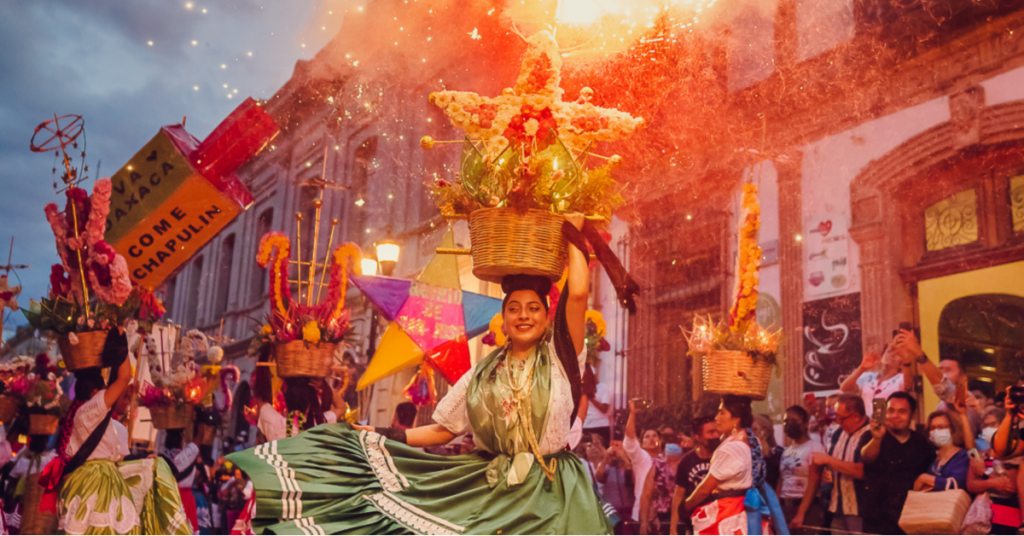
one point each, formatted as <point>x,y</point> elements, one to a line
<point>453,414</point>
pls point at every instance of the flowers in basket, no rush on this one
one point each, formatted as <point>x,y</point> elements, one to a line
<point>741,332</point>
<point>169,391</point>
<point>529,149</point>
<point>89,268</point>
<point>291,320</point>
<point>40,389</point>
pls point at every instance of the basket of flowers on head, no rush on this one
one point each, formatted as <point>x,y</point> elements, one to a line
<point>89,268</point>
<point>738,356</point>
<point>45,402</point>
<point>15,375</point>
<point>526,161</point>
<point>175,385</point>
<point>303,335</point>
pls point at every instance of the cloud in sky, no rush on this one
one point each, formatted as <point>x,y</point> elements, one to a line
<point>95,59</point>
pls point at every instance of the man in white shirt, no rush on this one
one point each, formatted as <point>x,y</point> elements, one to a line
<point>640,453</point>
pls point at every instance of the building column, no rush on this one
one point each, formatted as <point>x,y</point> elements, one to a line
<point>791,268</point>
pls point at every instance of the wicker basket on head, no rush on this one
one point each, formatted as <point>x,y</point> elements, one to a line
<point>86,354</point>
<point>42,424</point>
<point>509,242</point>
<point>736,373</point>
<point>299,359</point>
<point>172,416</point>
<point>9,408</point>
<point>33,519</point>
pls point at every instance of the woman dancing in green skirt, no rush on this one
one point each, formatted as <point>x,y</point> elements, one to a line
<point>519,402</point>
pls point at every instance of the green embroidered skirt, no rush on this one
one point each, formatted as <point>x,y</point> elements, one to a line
<point>333,479</point>
<point>134,497</point>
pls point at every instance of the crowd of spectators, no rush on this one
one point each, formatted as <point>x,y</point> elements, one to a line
<point>841,465</point>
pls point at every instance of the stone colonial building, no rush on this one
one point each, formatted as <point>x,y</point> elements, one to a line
<point>886,138</point>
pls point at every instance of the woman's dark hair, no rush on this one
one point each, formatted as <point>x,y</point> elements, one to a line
<point>739,408</point>
<point>262,384</point>
<point>301,395</point>
<point>537,283</point>
<point>173,438</point>
<point>87,382</point>
<point>37,443</point>
<point>799,411</point>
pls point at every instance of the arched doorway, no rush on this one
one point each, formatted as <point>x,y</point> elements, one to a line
<point>983,332</point>
<point>940,218</point>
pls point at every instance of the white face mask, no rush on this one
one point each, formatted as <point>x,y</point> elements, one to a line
<point>988,433</point>
<point>941,438</point>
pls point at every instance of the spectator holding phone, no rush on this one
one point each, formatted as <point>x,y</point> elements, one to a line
<point>894,457</point>
<point>641,452</point>
<point>948,379</point>
<point>878,376</point>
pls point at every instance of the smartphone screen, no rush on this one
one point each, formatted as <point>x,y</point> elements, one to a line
<point>878,407</point>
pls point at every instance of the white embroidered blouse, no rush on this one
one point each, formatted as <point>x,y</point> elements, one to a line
<point>453,414</point>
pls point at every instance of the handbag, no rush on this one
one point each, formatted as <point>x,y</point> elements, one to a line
<point>935,512</point>
<point>979,516</point>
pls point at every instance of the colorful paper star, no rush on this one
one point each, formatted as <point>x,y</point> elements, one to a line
<point>432,319</point>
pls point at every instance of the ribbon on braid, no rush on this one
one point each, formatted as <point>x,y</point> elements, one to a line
<point>67,427</point>
<point>625,286</point>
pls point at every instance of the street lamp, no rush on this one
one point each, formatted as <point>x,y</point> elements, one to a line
<point>369,266</point>
<point>387,255</point>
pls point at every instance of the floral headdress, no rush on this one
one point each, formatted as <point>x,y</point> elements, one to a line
<point>527,148</point>
<point>742,332</point>
<point>290,320</point>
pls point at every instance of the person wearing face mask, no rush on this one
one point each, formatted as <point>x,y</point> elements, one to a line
<point>996,478</point>
<point>894,456</point>
<point>952,461</point>
<point>693,468</point>
<point>878,376</point>
<point>795,469</point>
<point>989,425</point>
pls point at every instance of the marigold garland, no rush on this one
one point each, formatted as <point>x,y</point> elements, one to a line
<point>346,257</point>
<point>748,264</point>
<point>275,246</point>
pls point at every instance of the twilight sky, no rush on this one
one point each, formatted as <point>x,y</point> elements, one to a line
<point>129,67</point>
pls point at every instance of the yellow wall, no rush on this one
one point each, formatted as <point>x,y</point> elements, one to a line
<point>935,294</point>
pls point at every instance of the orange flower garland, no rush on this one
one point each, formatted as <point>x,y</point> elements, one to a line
<point>748,264</point>
<point>345,257</point>
<point>276,246</point>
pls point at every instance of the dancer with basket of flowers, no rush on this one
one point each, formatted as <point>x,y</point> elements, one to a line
<point>737,358</point>
<point>520,401</point>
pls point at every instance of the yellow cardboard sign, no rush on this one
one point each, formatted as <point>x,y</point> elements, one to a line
<point>168,236</point>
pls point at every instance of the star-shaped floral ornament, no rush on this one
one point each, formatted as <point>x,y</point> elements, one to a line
<point>532,115</point>
<point>8,294</point>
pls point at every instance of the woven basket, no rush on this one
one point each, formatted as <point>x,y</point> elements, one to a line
<point>509,242</point>
<point>86,354</point>
<point>42,424</point>
<point>299,359</point>
<point>8,408</point>
<point>33,519</point>
<point>205,434</point>
<point>736,373</point>
<point>172,416</point>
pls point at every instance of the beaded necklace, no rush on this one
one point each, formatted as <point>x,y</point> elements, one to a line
<point>521,392</point>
